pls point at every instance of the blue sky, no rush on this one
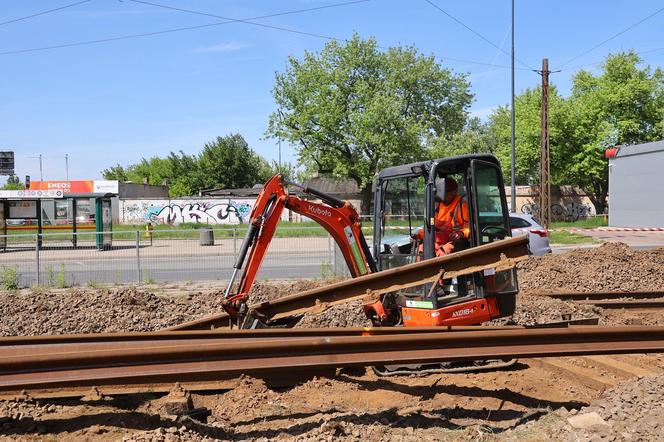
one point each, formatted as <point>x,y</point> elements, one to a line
<point>118,101</point>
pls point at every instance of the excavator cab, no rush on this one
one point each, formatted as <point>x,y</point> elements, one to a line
<point>405,205</point>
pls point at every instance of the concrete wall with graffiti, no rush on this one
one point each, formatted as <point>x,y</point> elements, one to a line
<point>189,210</point>
<point>568,203</point>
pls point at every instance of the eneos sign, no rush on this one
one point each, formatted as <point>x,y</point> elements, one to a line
<point>82,186</point>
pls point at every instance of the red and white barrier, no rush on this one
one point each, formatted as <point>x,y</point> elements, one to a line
<point>630,229</point>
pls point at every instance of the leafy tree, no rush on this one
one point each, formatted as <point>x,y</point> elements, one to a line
<point>116,172</point>
<point>476,137</point>
<point>528,107</point>
<point>287,170</point>
<point>352,109</point>
<point>226,162</point>
<point>13,183</point>
<point>622,105</point>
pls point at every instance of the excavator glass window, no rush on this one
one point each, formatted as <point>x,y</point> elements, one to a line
<point>402,218</point>
<point>492,223</point>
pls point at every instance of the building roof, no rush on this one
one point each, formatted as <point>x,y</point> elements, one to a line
<point>329,185</point>
<point>639,149</point>
<point>332,186</point>
<point>244,192</point>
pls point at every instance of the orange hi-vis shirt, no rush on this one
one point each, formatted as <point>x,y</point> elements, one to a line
<point>450,217</point>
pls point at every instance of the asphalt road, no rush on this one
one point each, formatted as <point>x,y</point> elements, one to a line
<point>283,263</point>
<point>166,269</point>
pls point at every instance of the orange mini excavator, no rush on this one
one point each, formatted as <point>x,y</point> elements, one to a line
<point>405,200</point>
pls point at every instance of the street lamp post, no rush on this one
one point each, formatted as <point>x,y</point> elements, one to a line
<point>41,174</point>
<point>66,157</point>
<point>513,156</point>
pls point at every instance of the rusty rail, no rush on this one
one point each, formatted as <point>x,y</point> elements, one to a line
<point>604,295</point>
<point>626,303</point>
<point>227,334</point>
<point>499,254</point>
<point>58,366</point>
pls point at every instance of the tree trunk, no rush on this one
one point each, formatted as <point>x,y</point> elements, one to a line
<point>597,196</point>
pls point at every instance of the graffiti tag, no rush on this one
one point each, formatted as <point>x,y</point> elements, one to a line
<point>197,213</point>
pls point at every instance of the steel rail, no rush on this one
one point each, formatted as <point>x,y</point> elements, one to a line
<point>37,348</point>
<point>209,361</point>
<point>229,334</point>
<point>626,303</point>
<point>581,296</point>
<point>499,254</point>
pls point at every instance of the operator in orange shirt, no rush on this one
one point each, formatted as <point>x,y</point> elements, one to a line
<point>451,220</point>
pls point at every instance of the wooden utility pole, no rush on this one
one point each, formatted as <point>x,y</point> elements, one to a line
<point>545,177</point>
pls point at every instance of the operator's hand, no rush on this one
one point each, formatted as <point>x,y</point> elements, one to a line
<point>414,237</point>
<point>443,225</point>
<point>448,248</point>
<point>456,236</point>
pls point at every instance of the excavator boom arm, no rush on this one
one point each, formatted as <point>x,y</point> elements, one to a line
<point>338,218</point>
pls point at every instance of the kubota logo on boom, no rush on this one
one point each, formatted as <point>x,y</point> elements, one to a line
<point>463,312</point>
<point>319,211</point>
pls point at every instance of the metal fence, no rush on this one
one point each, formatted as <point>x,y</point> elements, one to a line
<point>68,259</point>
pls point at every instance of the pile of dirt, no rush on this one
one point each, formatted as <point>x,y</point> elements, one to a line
<point>118,309</point>
<point>630,411</point>
<point>612,266</point>
<point>170,434</point>
<point>633,410</point>
<point>245,400</point>
<point>532,310</point>
<point>342,315</point>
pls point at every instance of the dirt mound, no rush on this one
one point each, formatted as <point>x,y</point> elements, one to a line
<point>531,310</point>
<point>630,411</point>
<point>245,401</point>
<point>633,409</point>
<point>343,315</point>
<point>119,309</point>
<point>612,266</point>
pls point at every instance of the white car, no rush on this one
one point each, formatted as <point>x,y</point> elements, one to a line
<point>538,236</point>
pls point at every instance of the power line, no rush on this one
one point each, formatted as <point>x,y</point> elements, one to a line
<point>190,11</point>
<point>632,26</point>
<point>248,22</point>
<point>43,12</point>
<point>187,28</point>
<point>600,62</point>
<point>476,33</point>
<point>228,21</point>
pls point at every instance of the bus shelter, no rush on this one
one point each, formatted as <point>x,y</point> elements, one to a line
<point>54,210</point>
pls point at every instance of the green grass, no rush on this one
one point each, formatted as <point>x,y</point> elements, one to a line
<point>562,237</point>
<point>9,278</point>
<point>587,223</point>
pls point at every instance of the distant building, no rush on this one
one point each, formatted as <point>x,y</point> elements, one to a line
<point>636,182</point>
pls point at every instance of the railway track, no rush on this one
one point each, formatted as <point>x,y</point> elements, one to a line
<point>614,299</point>
<point>61,365</point>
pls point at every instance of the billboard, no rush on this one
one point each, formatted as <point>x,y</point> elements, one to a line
<point>6,162</point>
<point>77,187</point>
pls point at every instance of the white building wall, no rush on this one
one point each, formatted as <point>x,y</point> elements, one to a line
<point>636,184</point>
<point>186,210</point>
